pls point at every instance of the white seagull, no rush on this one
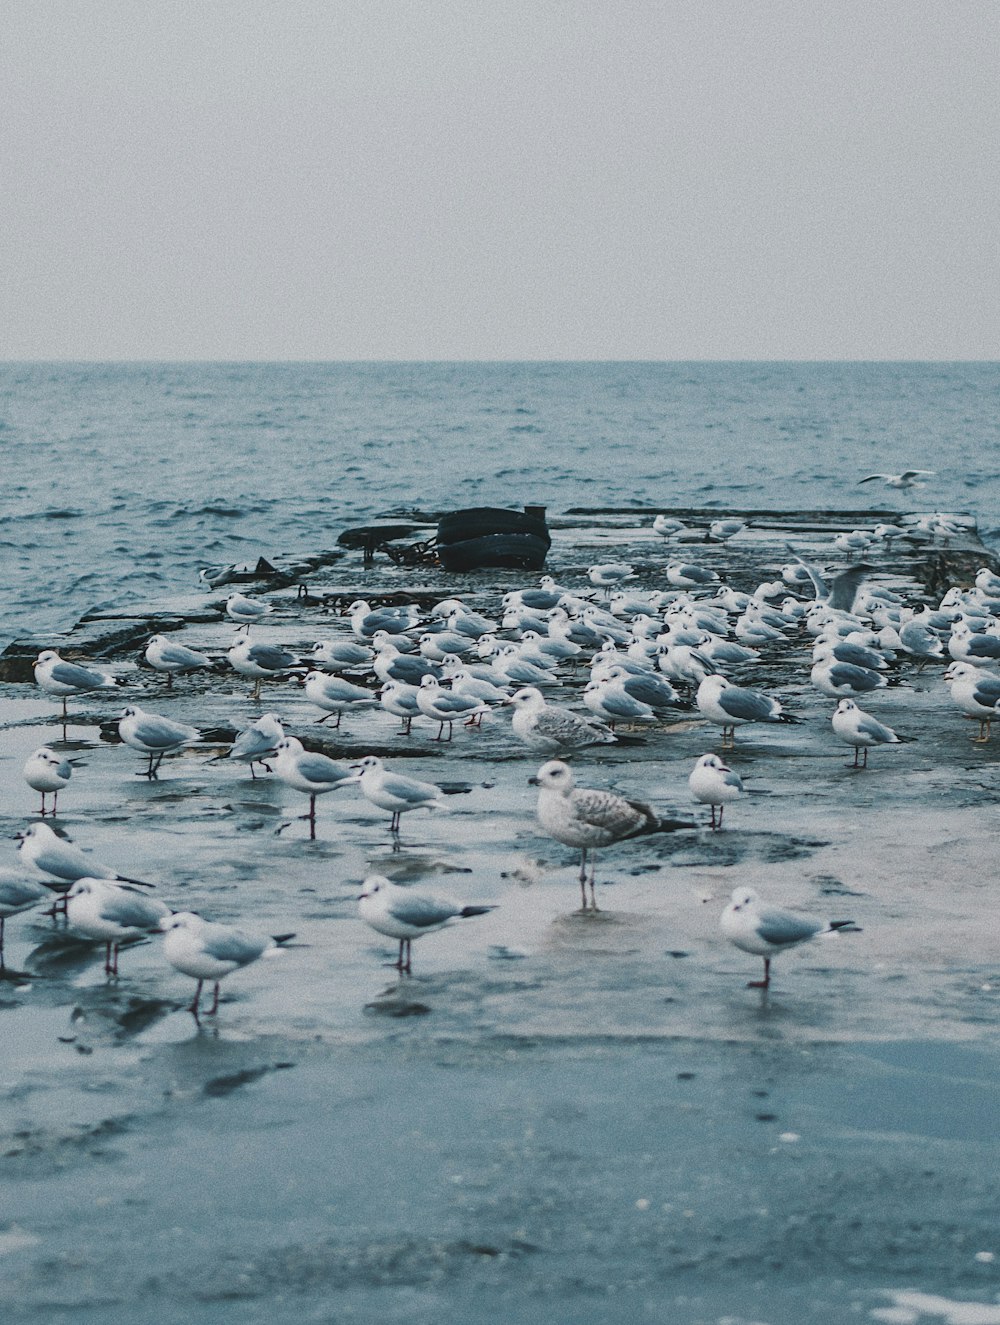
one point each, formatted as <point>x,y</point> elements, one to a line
<point>48,853</point>
<point>335,695</point>
<point>767,931</point>
<point>154,736</point>
<point>47,773</point>
<point>977,693</point>
<point>165,655</point>
<point>246,611</point>
<point>714,784</point>
<point>313,773</point>
<point>58,677</point>
<point>208,951</point>
<point>113,913</point>
<point>909,478</point>
<point>394,792</point>
<point>256,743</point>
<point>855,727</point>
<point>260,661</point>
<point>731,706</point>
<point>406,914</point>
<point>445,707</point>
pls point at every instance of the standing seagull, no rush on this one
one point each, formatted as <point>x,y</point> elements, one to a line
<point>46,852</point>
<point>208,951</point>
<point>393,791</point>
<point>58,677</point>
<point>260,661</point>
<point>165,655</point>
<point>856,727</point>
<point>547,728</point>
<point>587,818</point>
<point>405,914</point>
<point>246,611</point>
<point>154,736</point>
<point>258,742</point>
<point>446,706</point>
<point>713,784</point>
<point>113,913</point>
<point>310,772</point>
<point>767,931</point>
<point>47,772</point>
<point>731,706</point>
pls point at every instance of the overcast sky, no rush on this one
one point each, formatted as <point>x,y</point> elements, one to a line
<point>492,179</point>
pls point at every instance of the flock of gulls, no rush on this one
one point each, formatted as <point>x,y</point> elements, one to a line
<point>576,669</point>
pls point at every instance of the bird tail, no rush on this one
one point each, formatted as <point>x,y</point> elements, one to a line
<point>467,911</point>
<point>136,883</point>
<point>282,938</point>
<point>842,927</point>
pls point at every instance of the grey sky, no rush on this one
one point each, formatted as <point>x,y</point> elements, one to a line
<point>463,179</point>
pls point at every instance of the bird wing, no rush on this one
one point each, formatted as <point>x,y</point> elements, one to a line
<point>71,674</point>
<point>231,945</point>
<point>125,907</point>
<point>783,929</point>
<point>161,733</point>
<point>421,911</point>
<point>408,789</point>
<point>912,473</point>
<point>319,769</point>
<point>603,809</point>
<point>252,742</point>
<point>750,705</point>
<point>845,587</point>
<point>869,726</point>
<point>869,478</point>
<point>560,725</point>
<point>818,583</point>
<point>270,656</point>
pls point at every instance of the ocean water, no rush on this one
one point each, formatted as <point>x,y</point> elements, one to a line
<point>121,480</point>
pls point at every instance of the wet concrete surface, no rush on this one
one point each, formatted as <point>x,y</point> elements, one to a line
<point>557,1116</point>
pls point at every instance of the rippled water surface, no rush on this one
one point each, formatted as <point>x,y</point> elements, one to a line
<point>121,480</point>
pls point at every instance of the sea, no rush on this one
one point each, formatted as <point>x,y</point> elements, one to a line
<point>122,480</point>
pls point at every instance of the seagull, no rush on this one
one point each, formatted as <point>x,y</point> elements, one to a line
<point>17,893</point>
<point>839,595</point>
<point>667,526</point>
<point>713,784</point>
<point>258,742</point>
<point>974,647</point>
<point>246,612</point>
<point>208,951</point>
<point>113,913</point>
<point>401,699</point>
<point>260,661</point>
<point>405,914</point>
<point>393,791</point>
<point>721,531</point>
<point>43,849</point>
<point>611,703</point>
<point>685,575</point>
<point>154,736</point>
<point>768,931</point>
<point>910,478</point>
<point>339,655</point>
<point>165,655</point>
<point>446,706</point>
<point>977,694</point>
<point>366,620</point>
<point>313,773</point>
<point>546,728</point>
<point>58,677</point>
<point>840,678</point>
<point>731,706</point>
<point>610,573</point>
<point>46,772</point>
<point>856,727</point>
<point>336,695</point>
<point>587,818</point>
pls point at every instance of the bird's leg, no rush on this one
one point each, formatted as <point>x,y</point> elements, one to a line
<point>399,959</point>
<point>312,818</point>
<point>193,1008</point>
<point>409,956</point>
<point>440,731</point>
<point>593,871</point>
<point>215,1002</point>
<point>583,878</point>
<point>256,689</point>
<point>762,984</point>
<point>107,958</point>
<point>3,964</point>
<point>451,730</point>
<point>864,757</point>
<point>984,731</point>
<point>55,798</point>
<point>721,810</point>
<point>43,804</point>
<point>170,680</point>
<point>64,713</point>
<point>394,821</point>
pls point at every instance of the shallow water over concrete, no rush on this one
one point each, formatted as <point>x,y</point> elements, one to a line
<point>560,1115</point>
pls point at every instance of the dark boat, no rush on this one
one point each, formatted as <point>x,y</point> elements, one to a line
<point>488,536</point>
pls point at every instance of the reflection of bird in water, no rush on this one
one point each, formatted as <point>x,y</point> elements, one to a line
<point>910,478</point>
